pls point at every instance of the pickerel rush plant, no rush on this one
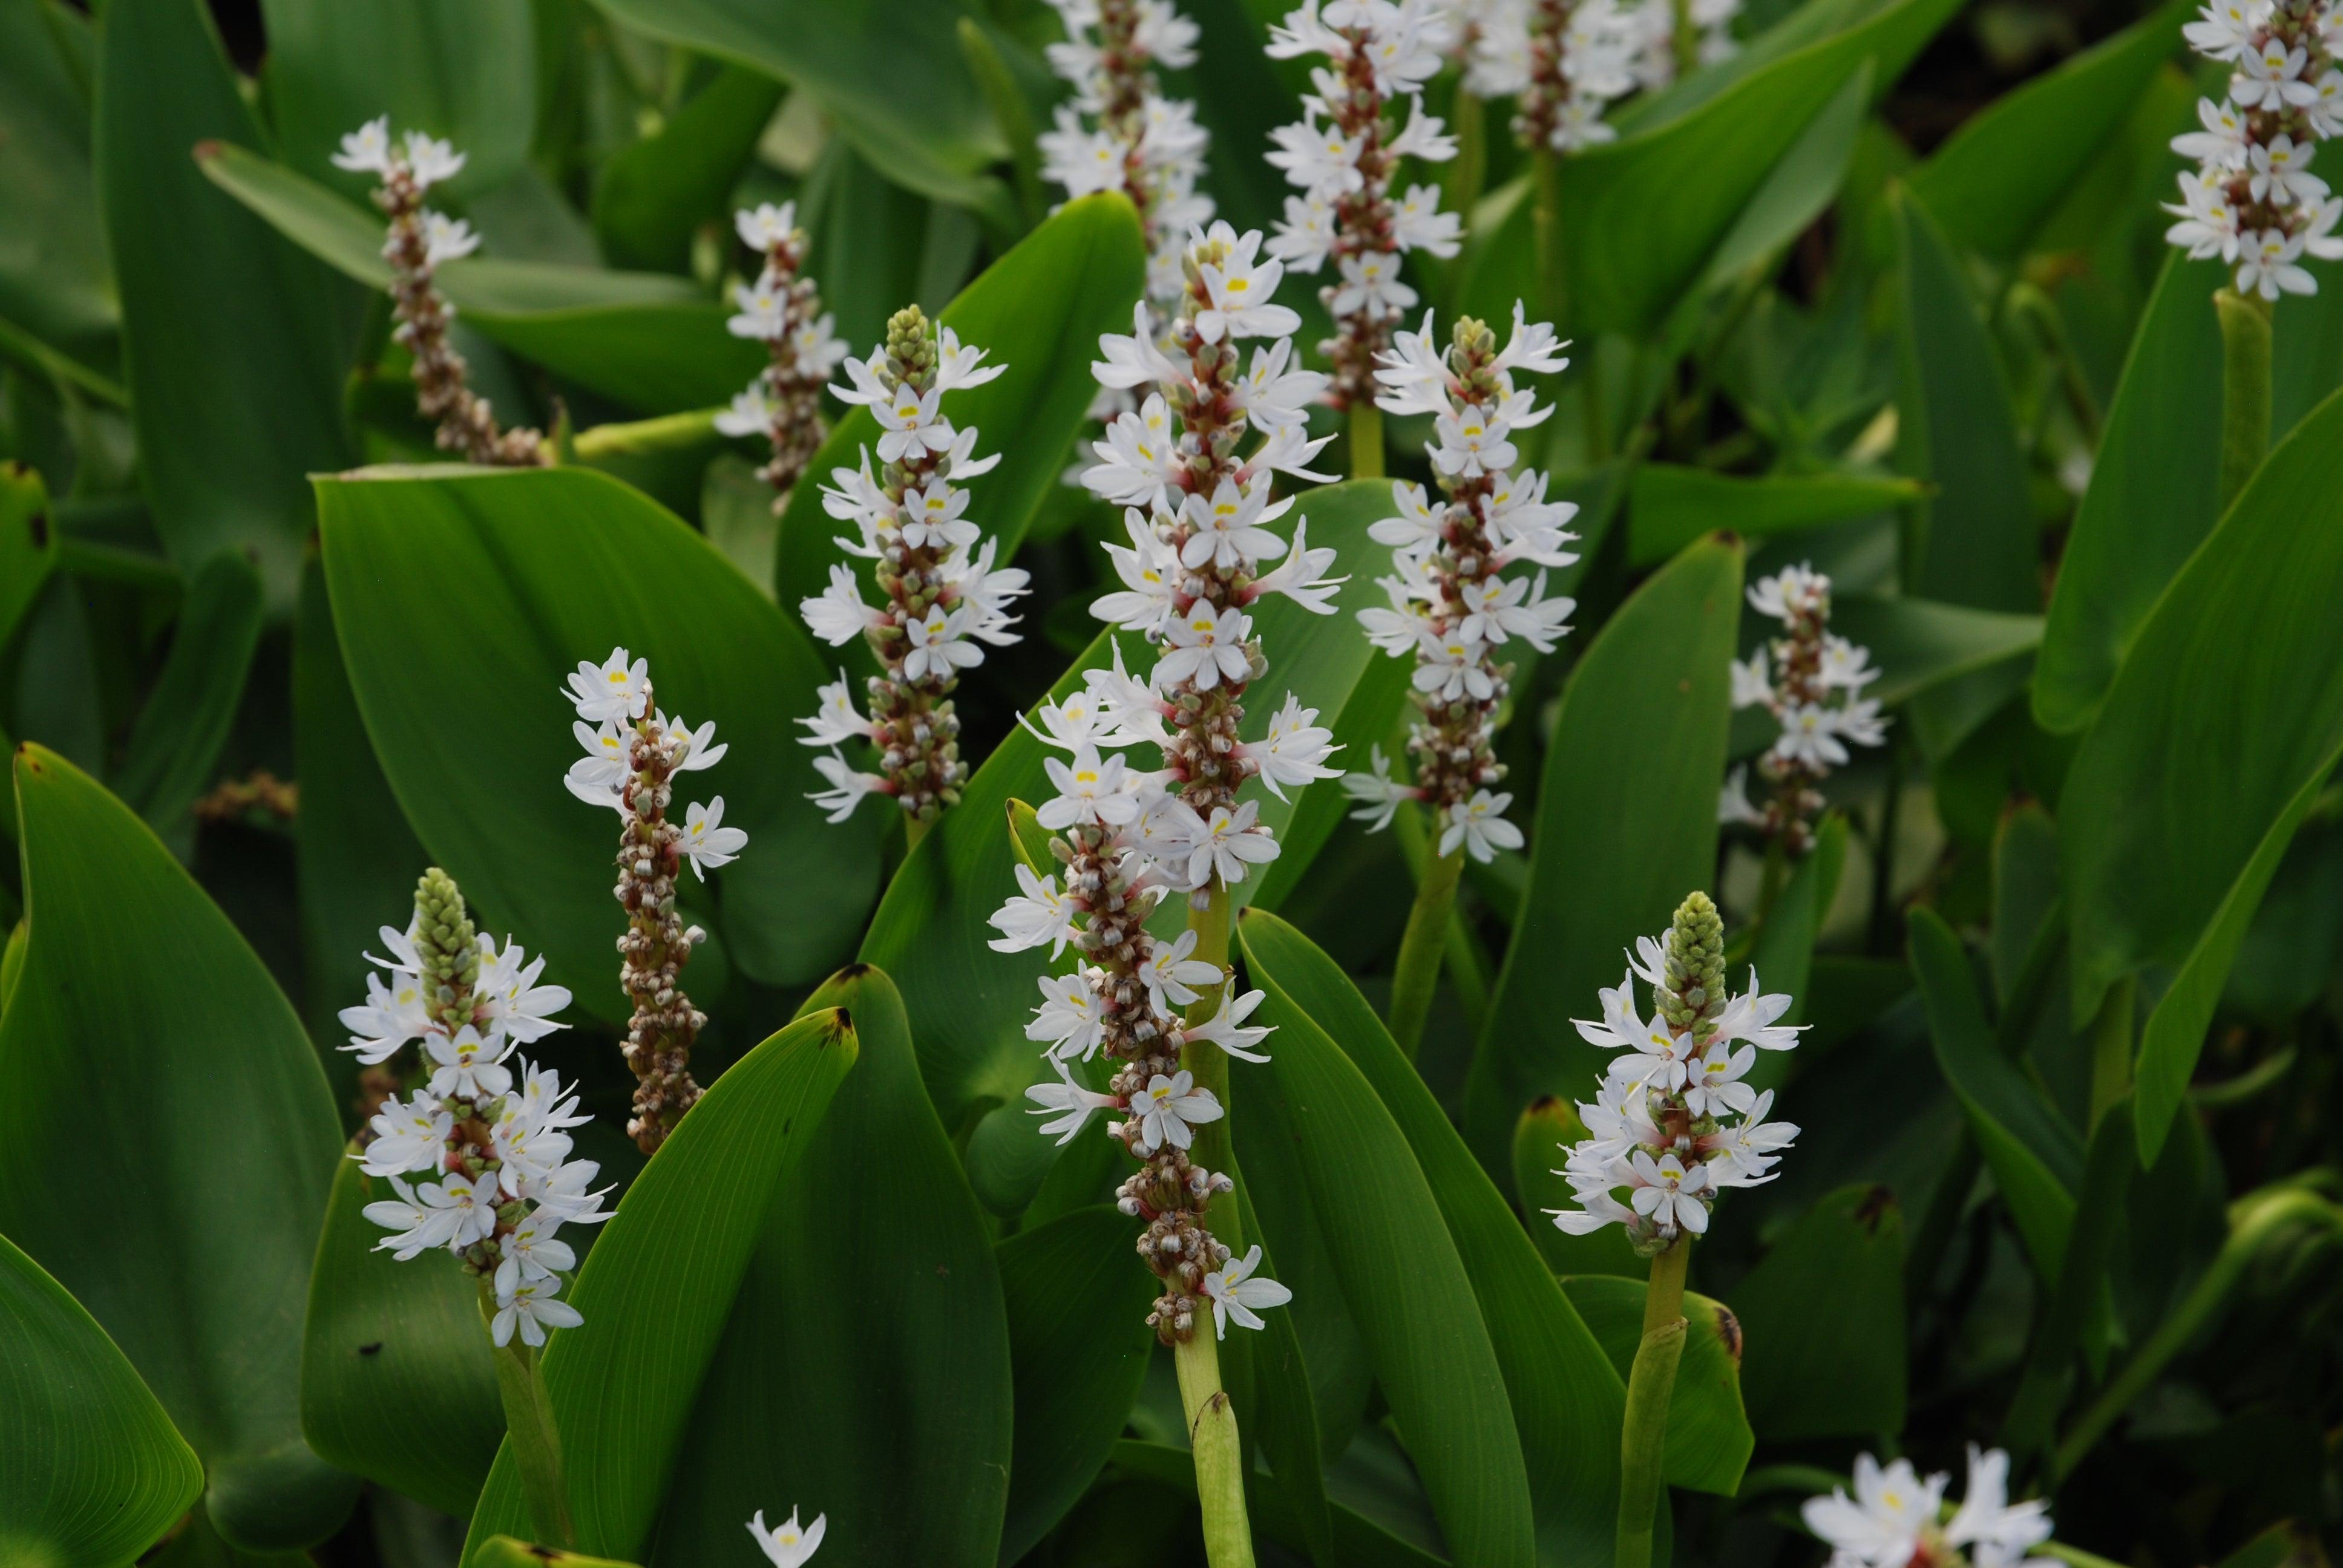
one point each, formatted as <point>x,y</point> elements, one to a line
<point>781,308</point>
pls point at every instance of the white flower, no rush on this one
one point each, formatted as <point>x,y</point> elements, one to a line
<point>1227,1029</point>
<point>837,719</point>
<point>1069,1019</point>
<point>1998,1532</point>
<point>1371,287</point>
<point>1479,825</point>
<point>531,1306</point>
<point>409,1135</point>
<point>1885,1522</point>
<point>510,998</point>
<point>1741,1154</point>
<point>957,364</point>
<point>1206,648</point>
<point>707,844</point>
<point>1750,1016</point>
<point>416,1225</point>
<point>938,645</point>
<point>1845,665</point>
<point>1171,1110</point>
<point>1319,158</point>
<point>1378,794</point>
<point>751,411</point>
<point>1418,224</point>
<point>1039,914</point>
<point>1135,360</point>
<point>532,1252</point>
<point>614,689</point>
<point>1294,751</point>
<point>1753,686</point>
<point>837,615</point>
<point>469,1065</point>
<point>765,226</point>
<point>1238,1293</point>
<point>1272,395</point>
<point>1472,442</point>
<point>1662,1192</point>
<point>1171,976</point>
<point>1240,288</point>
<point>1226,531</point>
<point>366,150</point>
<point>2266,265</point>
<point>1230,843</point>
<point>1066,1100</point>
<point>1139,460</point>
<point>1790,593</point>
<point>393,1015</point>
<point>784,1545</point>
<point>2226,28</point>
<point>1090,788</point>
<point>1732,801</point>
<point>846,787</point>
<point>447,239</point>
<point>1302,576</point>
<point>431,160</point>
<point>1148,569</point>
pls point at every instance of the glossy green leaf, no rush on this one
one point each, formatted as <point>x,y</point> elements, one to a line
<point>2151,501</point>
<point>1626,825</point>
<point>2006,167</point>
<point>1407,1284</point>
<point>1630,260</point>
<point>1567,1400</point>
<point>396,1381</point>
<point>1920,643</point>
<point>28,546</point>
<point>465,70</point>
<point>969,1004</point>
<point>665,1301</point>
<point>238,339</point>
<point>174,746</point>
<point>1801,186</point>
<point>141,1003</point>
<point>54,282</point>
<point>1039,311</point>
<point>644,339</point>
<point>1076,1300</point>
<point>891,77</point>
<point>2035,1157</point>
<point>91,1468</point>
<point>2215,736</point>
<point>1670,506</point>
<point>653,196</point>
<point>1822,1320</point>
<point>483,591</point>
<point>1709,1440</point>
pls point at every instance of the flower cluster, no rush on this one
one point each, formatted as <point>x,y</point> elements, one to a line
<point>1896,1519</point>
<point>633,753</point>
<point>944,599</point>
<point>1451,608</point>
<point>505,1182</point>
<point>1197,519</point>
<point>785,1546</point>
<point>1651,27</point>
<point>783,309</point>
<point>1377,50</point>
<point>1662,1124</point>
<point>1563,62</point>
<point>2252,200</point>
<point>1814,687</point>
<point>1120,132</point>
<point>419,240</point>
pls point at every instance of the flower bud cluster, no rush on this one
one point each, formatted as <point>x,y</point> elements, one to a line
<point>419,240</point>
<point>943,598</point>
<point>783,310</point>
<point>2252,199</point>
<point>1663,1126</point>
<point>505,1183</point>
<point>1814,687</point>
<point>1378,50</point>
<point>1563,62</point>
<point>1197,516</point>
<point>1120,132</point>
<point>1452,609</point>
<point>633,753</point>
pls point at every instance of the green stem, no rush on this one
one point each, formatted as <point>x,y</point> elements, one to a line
<point>1651,1384</point>
<point>2111,1050</point>
<point>529,1428</point>
<point>1685,39</point>
<point>1366,440</point>
<point>1769,887</point>
<point>914,830</point>
<point>1213,1439</point>
<point>1421,948</point>
<point>1468,172</point>
<point>2253,1220</point>
<point>2245,387</point>
<point>1545,230</point>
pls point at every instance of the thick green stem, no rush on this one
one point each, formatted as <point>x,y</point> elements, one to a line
<point>2253,1221</point>
<point>2111,1050</point>
<point>1545,231</point>
<point>1469,170</point>
<point>1213,1439</point>
<point>1366,440</point>
<point>1651,1385</point>
<point>529,1428</point>
<point>2245,387</point>
<point>914,830</point>
<point>1687,39</point>
<point>1421,948</point>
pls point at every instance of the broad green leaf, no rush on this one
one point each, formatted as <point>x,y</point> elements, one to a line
<point>54,278</point>
<point>238,339</point>
<point>29,544</point>
<point>890,76</point>
<point>1629,260</point>
<point>464,597</point>
<point>1625,826</point>
<point>969,1004</point>
<point>142,1005</point>
<point>1567,1400</point>
<point>356,859</point>
<point>664,1297</point>
<point>1039,311</point>
<point>396,1381</point>
<point>506,1552</point>
<point>462,69</point>
<point>1801,185</point>
<point>1407,1284</point>
<point>875,247</point>
<point>650,198</point>
<point>2221,727</point>
<point>1672,506</point>
<point>1284,1423</point>
<point>1920,643</point>
<point>2035,1158</point>
<point>643,340</point>
<point>2151,500</point>
<point>91,1468</point>
<point>1076,1300</point>
<point>198,1545</point>
<point>175,743</point>
<point>1709,1440</point>
<point>1823,1313</point>
<point>2005,168</point>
